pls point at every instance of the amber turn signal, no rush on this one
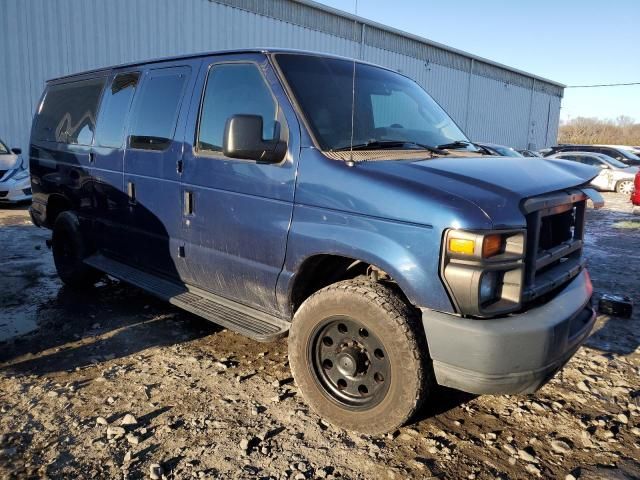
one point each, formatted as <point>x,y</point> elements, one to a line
<point>491,245</point>
<point>462,245</point>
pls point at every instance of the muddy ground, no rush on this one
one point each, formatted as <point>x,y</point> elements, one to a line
<point>208,403</point>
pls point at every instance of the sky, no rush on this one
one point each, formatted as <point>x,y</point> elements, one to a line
<point>574,42</point>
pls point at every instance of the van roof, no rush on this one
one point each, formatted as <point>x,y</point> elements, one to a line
<point>206,54</point>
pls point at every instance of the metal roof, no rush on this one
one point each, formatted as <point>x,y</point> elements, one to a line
<point>276,9</point>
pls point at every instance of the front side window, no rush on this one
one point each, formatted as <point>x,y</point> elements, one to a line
<point>591,161</point>
<point>154,121</point>
<point>388,106</point>
<point>233,89</point>
<point>68,114</point>
<point>115,108</point>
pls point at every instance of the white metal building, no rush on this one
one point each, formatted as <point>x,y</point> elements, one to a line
<point>42,39</point>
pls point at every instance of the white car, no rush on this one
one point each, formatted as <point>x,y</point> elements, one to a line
<point>614,175</point>
<point>15,184</point>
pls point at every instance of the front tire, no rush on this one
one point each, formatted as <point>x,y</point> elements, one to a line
<point>625,187</point>
<point>70,248</point>
<point>359,356</point>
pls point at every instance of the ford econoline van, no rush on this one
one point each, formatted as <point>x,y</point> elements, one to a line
<point>279,192</point>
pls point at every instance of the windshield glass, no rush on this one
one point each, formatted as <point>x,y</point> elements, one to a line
<point>388,106</point>
<point>613,161</point>
<point>628,154</point>
<point>3,148</point>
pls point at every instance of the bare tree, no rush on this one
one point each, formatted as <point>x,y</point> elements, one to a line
<point>621,131</point>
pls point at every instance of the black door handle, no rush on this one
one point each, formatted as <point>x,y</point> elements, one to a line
<point>92,157</point>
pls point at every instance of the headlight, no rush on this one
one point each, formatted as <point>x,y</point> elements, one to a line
<point>484,271</point>
<point>488,287</point>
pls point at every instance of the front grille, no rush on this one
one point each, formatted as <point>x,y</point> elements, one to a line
<point>555,230</point>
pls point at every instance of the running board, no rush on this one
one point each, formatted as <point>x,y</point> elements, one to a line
<point>232,315</point>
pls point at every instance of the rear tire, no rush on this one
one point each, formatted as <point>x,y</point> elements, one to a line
<point>69,249</point>
<point>358,354</point>
<point>625,187</point>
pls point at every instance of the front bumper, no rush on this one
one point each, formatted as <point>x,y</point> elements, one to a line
<point>514,354</point>
<point>12,191</point>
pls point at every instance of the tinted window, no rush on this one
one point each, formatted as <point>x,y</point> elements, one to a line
<point>388,107</point>
<point>156,112</point>
<point>590,161</point>
<point>395,110</point>
<point>68,114</point>
<point>115,107</point>
<point>234,89</point>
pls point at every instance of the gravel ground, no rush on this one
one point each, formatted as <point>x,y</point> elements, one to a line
<point>111,383</point>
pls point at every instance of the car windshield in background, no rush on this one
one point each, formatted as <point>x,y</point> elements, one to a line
<point>391,111</point>
<point>3,149</point>
<point>627,154</point>
<point>507,152</point>
<point>613,161</point>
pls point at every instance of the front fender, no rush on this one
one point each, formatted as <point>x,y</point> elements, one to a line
<point>407,252</point>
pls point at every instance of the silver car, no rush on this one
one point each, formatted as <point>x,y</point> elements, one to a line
<point>15,185</point>
<point>614,175</point>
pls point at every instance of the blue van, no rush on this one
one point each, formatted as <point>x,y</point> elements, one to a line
<point>282,192</point>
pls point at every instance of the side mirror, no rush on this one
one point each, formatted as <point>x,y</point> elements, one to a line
<point>16,150</point>
<point>243,139</point>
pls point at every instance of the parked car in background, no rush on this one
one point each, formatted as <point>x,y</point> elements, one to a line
<point>629,148</point>
<point>500,150</point>
<point>530,153</point>
<point>15,185</point>
<point>614,175</point>
<point>624,156</point>
<point>635,196</point>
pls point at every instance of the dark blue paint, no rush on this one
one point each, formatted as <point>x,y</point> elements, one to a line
<point>254,225</point>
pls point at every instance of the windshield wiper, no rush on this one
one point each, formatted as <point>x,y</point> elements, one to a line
<point>463,143</point>
<point>454,145</point>
<point>382,144</point>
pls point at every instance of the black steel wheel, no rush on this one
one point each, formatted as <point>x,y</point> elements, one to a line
<point>359,357</point>
<point>350,362</point>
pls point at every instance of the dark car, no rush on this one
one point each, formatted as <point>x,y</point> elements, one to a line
<point>244,187</point>
<point>500,150</point>
<point>620,154</point>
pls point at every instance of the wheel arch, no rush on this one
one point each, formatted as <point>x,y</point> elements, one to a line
<point>56,204</point>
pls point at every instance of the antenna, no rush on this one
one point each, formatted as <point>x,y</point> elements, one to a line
<point>350,162</point>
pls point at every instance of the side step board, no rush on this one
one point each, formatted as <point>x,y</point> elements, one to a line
<point>232,315</point>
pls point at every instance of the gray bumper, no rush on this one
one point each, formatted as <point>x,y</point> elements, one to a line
<point>515,354</point>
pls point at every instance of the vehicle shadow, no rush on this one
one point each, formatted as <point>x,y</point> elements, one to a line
<point>114,320</point>
<point>441,401</point>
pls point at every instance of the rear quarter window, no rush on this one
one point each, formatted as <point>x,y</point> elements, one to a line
<point>68,112</point>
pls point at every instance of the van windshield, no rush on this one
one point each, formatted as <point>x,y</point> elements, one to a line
<point>390,109</point>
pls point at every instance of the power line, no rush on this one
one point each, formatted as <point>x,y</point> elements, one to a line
<point>604,85</point>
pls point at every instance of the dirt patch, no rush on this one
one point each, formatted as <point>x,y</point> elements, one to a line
<point>208,403</point>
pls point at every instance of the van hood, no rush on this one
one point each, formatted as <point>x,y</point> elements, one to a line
<point>496,185</point>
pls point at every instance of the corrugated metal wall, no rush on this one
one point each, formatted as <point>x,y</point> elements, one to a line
<point>41,39</point>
